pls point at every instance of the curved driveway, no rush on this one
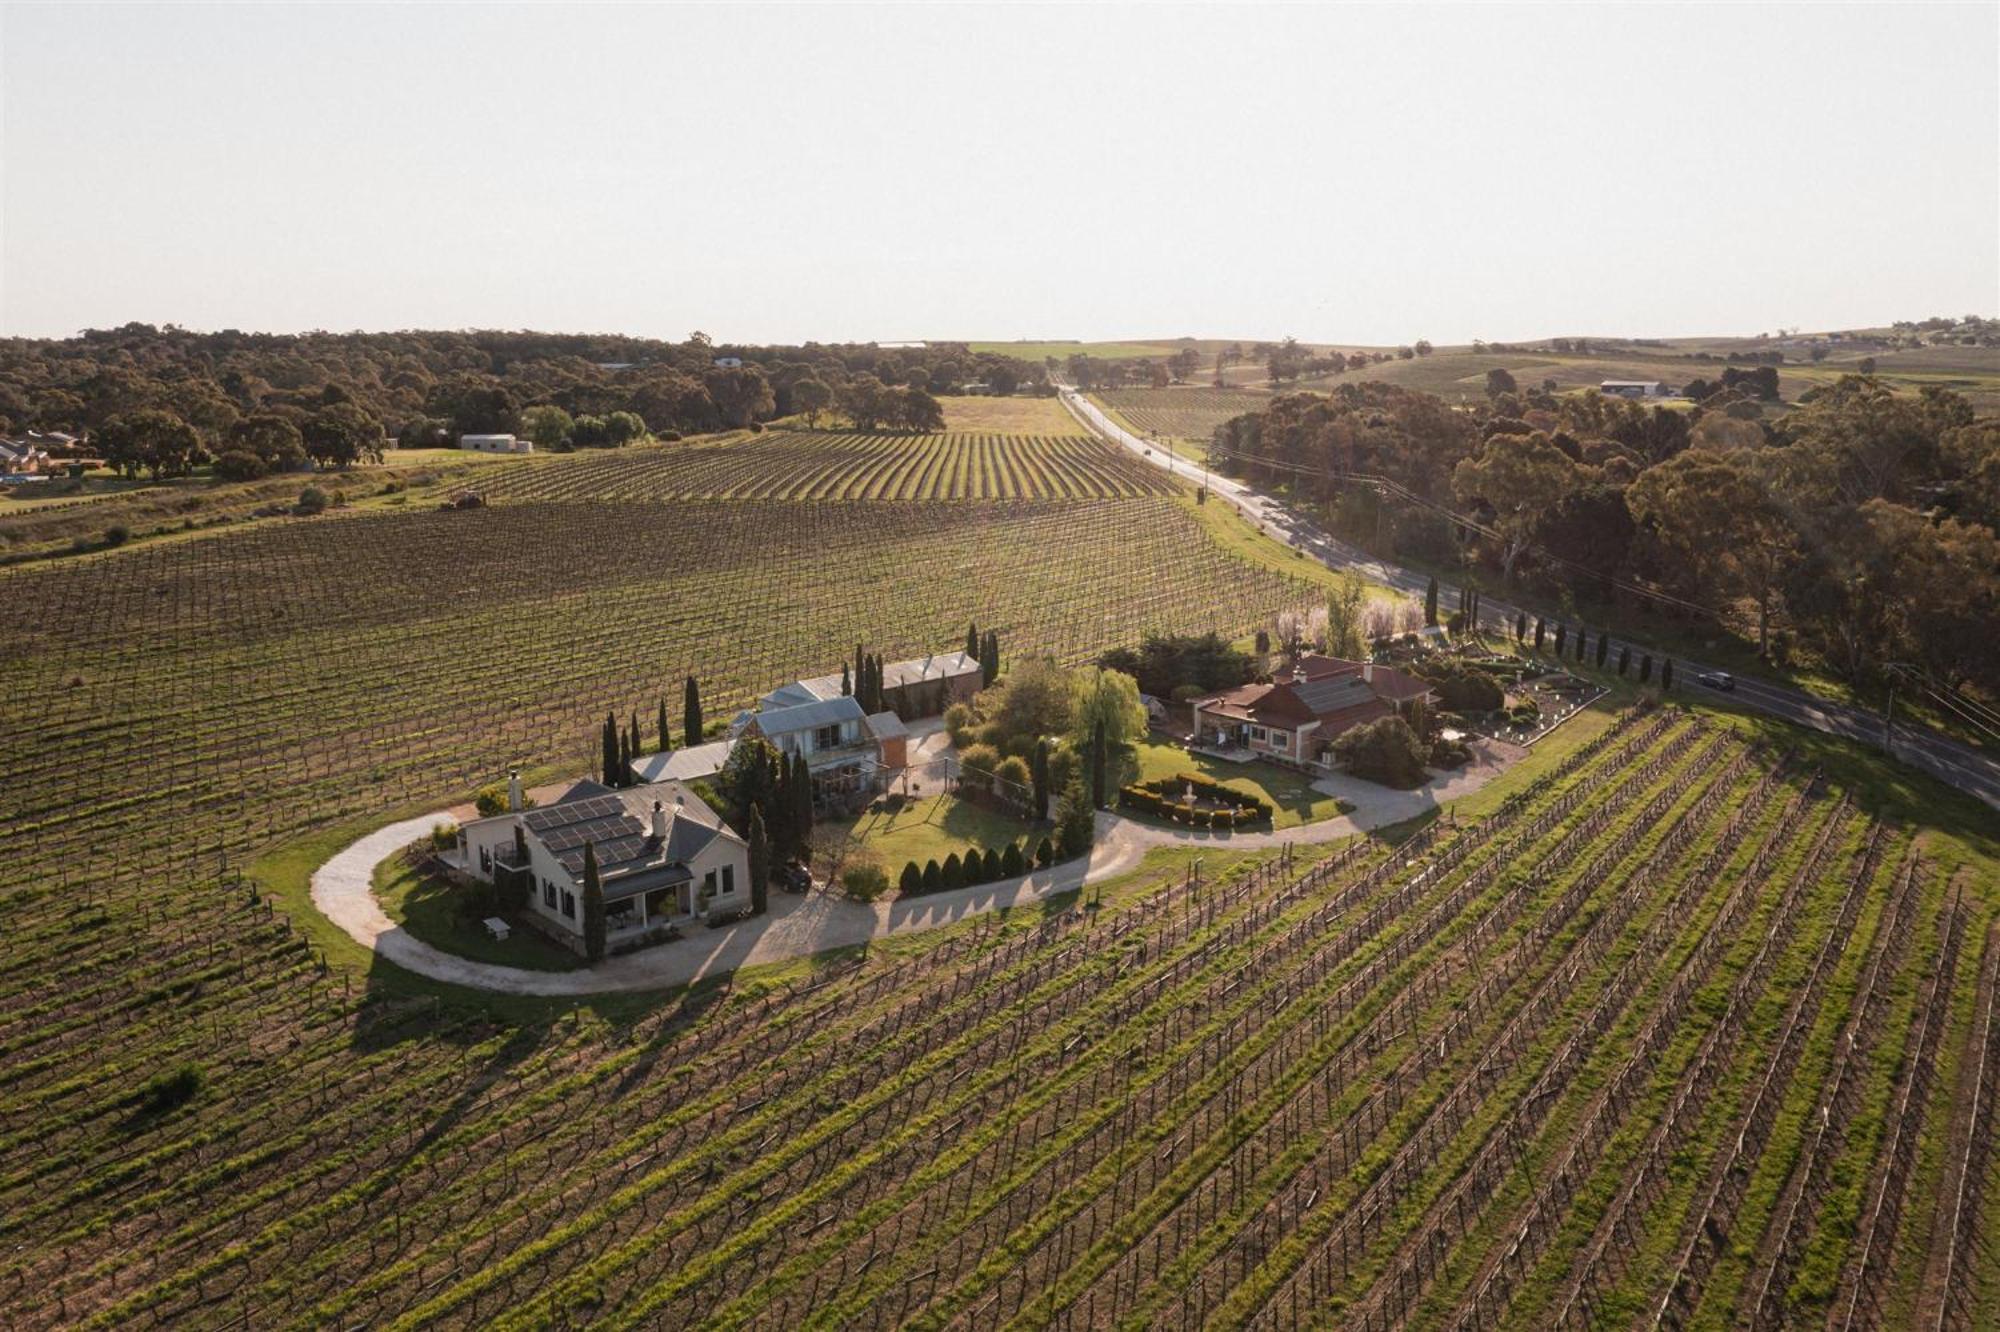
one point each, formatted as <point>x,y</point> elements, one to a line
<point>343,889</point>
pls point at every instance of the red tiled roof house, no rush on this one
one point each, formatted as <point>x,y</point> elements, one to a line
<point>1295,719</point>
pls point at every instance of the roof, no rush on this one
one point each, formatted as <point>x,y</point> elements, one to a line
<point>684,765</point>
<point>809,716</point>
<point>1630,383</point>
<point>1334,694</point>
<point>1386,681</point>
<point>1266,704</point>
<point>619,826</point>
<point>800,692</point>
<point>886,726</point>
<point>937,666</point>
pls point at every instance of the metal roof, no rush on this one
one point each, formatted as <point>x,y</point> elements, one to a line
<point>809,716</point>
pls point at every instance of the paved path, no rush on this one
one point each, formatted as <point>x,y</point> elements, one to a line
<point>343,889</point>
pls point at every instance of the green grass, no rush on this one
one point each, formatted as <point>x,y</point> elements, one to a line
<point>933,827</point>
<point>1293,800</point>
<point>1231,531</point>
<point>428,908</point>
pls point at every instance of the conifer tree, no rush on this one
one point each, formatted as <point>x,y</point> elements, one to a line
<point>972,640</point>
<point>802,805</point>
<point>1099,766</point>
<point>1645,668</point>
<point>1667,675</point>
<point>1603,649</point>
<point>1520,625</point>
<point>593,905</point>
<point>1541,627</point>
<point>691,727</point>
<point>846,682</point>
<point>666,731</point>
<point>760,861</point>
<point>611,748</point>
<point>989,658</point>
<point>1038,775</point>
<point>1431,602</point>
<point>1624,658</point>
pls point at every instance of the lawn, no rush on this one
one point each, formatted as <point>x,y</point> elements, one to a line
<point>426,907</point>
<point>1291,794</point>
<point>933,827</point>
<point>1009,416</point>
<point>1230,530</point>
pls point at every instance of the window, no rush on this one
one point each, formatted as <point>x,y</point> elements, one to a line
<point>485,860</point>
<point>1279,740</point>
<point>728,880</point>
<point>708,885</point>
<point>1256,733</point>
<point>826,737</point>
<point>548,895</point>
<point>569,904</point>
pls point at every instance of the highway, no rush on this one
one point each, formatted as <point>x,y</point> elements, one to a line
<point>1951,761</point>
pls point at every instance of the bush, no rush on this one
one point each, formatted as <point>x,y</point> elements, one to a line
<point>912,881</point>
<point>952,875</point>
<point>865,883</point>
<point>117,534</point>
<point>312,500</point>
<point>976,764</point>
<point>958,720</point>
<point>933,877</point>
<point>1012,863</point>
<point>168,1091</point>
<point>443,835</point>
<point>1016,781</point>
<point>1385,751</point>
<point>490,800</point>
<point>239,465</point>
<point>1188,693</point>
<point>990,865</point>
<point>1045,854</point>
<point>1470,692</point>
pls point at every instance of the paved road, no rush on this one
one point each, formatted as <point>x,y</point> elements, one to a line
<point>1950,761</point>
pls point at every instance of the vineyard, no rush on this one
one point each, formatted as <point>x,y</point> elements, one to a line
<point>1677,1034</point>
<point>807,465</point>
<point>1680,1025</point>
<point>1181,413</point>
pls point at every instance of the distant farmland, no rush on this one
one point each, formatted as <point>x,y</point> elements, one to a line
<point>1181,413</point>
<point>799,465</point>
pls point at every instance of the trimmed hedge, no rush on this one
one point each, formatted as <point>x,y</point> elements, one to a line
<point>1160,798</point>
<point>978,867</point>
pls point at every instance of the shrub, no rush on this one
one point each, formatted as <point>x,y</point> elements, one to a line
<point>443,835</point>
<point>167,1091</point>
<point>1188,693</point>
<point>117,534</point>
<point>865,883</point>
<point>1016,780</point>
<point>933,877</point>
<point>1385,751</point>
<point>312,500</point>
<point>491,800</point>
<point>239,465</point>
<point>977,763</point>
<point>1470,692</point>
<point>1012,863</point>
<point>912,881</point>
<point>958,720</point>
<point>1045,854</point>
<point>952,875</point>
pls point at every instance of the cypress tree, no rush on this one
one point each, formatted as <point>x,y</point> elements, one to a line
<point>1431,602</point>
<point>1038,774</point>
<point>933,878</point>
<point>1045,853</point>
<point>593,905</point>
<point>611,751</point>
<point>1667,675</point>
<point>1562,632</point>
<point>1520,625</point>
<point>1624,658</point>
<point>989,657</point>
<point>1012,863</point>
<point>760,862</point>
<point>912,881</point>
<point>1541,627</point>
<point>846,682</point>
<point>1603,649</point>
<point>972,640</point>
<point>666,731</point>
<point>1645,668</point>
<point>691,727</point>
<point>1098,767</point>
<point>802,804</point>
<point>1581,638</point>
<point>633,735</point>
<point>989,866</point>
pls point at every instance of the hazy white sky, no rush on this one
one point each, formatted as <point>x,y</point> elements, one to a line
<point>1369,174</point>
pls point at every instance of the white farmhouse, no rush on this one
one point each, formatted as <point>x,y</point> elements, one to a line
<point>496,443</point>
<point>664,859</point>
<point>1634,388</point>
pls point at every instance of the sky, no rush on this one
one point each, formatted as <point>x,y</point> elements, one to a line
<point>1363,174</point>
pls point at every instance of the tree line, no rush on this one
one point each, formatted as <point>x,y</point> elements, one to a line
<point>163,400</point>
<point>1862,527</point>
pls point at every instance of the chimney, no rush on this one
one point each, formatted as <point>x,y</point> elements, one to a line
<point>659,822</point>
<point>1298,674</point>
<point>514,799</point>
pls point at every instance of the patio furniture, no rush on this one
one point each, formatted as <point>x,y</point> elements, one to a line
<point>497,927</point>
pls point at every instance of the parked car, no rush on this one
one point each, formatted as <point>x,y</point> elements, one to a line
<point>795,878</point>
<point>1721,680</point>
